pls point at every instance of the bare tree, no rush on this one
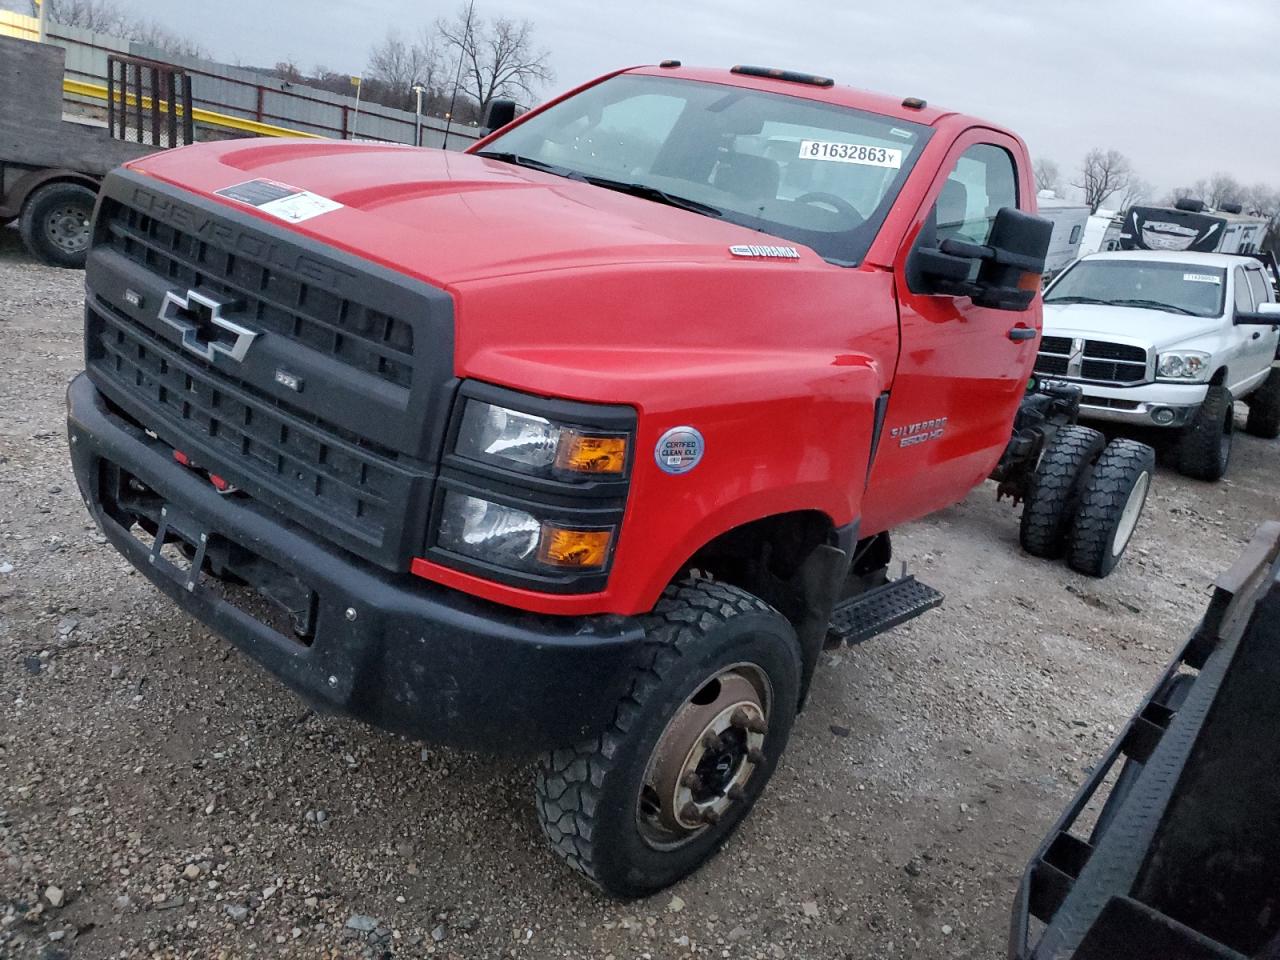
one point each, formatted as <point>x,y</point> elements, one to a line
<point>106,16</point>
<point>1223,188</point>
<point>1047,175</point>
<point>497,58</point>
<point>152,34</point>
<point>1136,191</point>
<point>401,65</point>
<point>1102,174</point>
<point>103,16</point>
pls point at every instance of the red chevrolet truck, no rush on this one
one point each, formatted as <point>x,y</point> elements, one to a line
<point>584,442</point>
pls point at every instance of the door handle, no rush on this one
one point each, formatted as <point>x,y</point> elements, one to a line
<point>1018,334</point>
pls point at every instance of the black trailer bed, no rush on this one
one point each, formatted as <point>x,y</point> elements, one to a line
<point>1183,860</point>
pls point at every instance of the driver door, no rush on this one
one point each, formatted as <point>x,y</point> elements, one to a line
<point>962,369</point>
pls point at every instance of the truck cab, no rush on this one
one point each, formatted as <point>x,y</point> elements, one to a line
<point>1168,340</point>
<point>574,442</point>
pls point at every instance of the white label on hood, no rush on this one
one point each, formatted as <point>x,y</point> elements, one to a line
<point>280,199</point>
<point>1201,278</point>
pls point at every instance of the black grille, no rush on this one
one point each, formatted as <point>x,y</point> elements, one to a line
<point>1054,366</point>
<point>272,299</point>
<point>1110,402</point>
<point>1113,372</point>
<point>335,413</point>
<point>1055,344</point>
<point>351,485</point>
<point>1102,350</point>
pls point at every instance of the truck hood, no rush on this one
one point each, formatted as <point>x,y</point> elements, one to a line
<point>1135,325</point>
<point>450,218</point>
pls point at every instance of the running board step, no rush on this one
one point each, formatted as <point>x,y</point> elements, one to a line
<point>864,616</point>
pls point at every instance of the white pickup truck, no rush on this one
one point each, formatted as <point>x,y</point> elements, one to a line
<point>1170,340</point>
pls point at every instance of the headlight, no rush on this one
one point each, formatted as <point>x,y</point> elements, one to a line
<point>531,444</point>
<point>1183,365</point>
<point>517,540</point>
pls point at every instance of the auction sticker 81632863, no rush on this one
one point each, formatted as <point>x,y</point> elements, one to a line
<point>863,153</point>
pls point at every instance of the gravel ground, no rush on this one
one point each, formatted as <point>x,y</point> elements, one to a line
<point>161,796</point>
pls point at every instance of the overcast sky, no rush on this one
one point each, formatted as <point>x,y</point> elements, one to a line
<point>1183,87</point>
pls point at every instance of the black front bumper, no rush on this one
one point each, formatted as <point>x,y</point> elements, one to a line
<point>389,649</point>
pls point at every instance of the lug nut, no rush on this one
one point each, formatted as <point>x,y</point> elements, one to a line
<point>736,793</point>
<point>710,816</point>
<point>711,741</point>
<point>746,721</point>
<point>690,813</point>
<point>755,756</point>
<point>692,781</point>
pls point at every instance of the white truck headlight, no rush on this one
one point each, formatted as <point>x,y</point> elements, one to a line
<point>1182,365</point>
<point>531,444</point>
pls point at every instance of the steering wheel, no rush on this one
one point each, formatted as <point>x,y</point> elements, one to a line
<point>842,205</point>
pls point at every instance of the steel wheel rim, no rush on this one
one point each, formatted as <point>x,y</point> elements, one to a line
<point>67,228</point>
<point>733,707</point>
<point>1130,514</point>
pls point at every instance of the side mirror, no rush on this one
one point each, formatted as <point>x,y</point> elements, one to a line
<point>1010,263</point>
<point>497,114</point>
<point>1267,314</point>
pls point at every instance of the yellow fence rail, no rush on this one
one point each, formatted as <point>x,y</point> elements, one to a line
<point>96,91</point>
<point>20,26</point>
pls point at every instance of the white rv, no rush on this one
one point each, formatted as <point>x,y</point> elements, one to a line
<point>1069,220</point>
<point>1190,226</point>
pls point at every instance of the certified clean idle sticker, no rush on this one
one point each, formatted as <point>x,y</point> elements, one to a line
<point>863,153</point>
<point>280,199</point>
<point>679,450</point>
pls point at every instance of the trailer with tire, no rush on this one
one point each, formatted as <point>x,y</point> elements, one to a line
<point>51,166</point>
<point>1171,848</point>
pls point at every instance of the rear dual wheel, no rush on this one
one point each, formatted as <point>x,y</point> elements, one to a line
<point>1111,504</point>
<point>1085,498</point>
<point>1054,491</point>
<point>690,748</point>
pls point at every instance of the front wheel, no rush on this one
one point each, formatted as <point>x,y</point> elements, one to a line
<point>56,223</point>
<point>690,748</point>
<point>1204,449</point>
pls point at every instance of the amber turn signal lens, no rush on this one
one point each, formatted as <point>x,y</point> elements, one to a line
<point>583,454</point>
<point>579,549</point>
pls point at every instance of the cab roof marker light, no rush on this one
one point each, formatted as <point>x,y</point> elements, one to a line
<point>791,76</point>
<point>669,64</point>
<point>915,103</point>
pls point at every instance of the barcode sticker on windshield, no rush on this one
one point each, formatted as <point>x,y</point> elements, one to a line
<point>862,153</point>
<point>1201,278</point>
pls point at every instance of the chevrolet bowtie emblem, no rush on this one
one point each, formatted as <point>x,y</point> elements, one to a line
<point>204,330</point>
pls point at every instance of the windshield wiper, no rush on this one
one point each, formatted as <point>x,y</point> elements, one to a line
<point>1157,304</point>
<point>1104,303</point>
<point>522,161</point>
<point>647,192</point>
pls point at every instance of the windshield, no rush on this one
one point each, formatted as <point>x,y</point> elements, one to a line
<point>817,174</point>
<point>1185,288</point>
